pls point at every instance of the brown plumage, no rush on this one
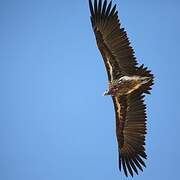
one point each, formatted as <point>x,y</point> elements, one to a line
<point>120,61</point>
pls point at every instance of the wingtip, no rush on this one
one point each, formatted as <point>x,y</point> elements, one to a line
<point>133,166</point>
<point>128,166</point>
<point>91,8</point>
<point>124,167</point>
<point>119,162</point>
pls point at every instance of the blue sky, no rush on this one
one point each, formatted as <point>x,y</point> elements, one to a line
<point>54,121</point>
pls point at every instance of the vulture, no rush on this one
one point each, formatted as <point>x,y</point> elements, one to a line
<point>128,83</point>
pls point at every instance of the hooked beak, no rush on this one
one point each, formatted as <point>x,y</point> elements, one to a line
<point>106,93</point>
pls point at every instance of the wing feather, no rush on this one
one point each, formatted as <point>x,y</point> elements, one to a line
<point>112,40</point>
<point>131,130</point>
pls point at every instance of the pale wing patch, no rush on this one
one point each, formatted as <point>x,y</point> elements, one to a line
<point>110,69</point>
<point>118,108</point>
<point>134,88</point>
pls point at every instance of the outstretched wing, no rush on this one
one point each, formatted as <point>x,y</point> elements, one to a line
<point>112,40</point>
<point>130,131</point>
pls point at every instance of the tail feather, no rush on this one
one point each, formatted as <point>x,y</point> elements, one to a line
<point>144,72</point>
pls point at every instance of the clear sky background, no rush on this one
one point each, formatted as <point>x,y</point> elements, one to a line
<point>54,122</point>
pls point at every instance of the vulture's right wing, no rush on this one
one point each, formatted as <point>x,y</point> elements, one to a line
<point>112,40</point>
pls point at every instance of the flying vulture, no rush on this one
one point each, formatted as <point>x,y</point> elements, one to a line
<point>127,84</point>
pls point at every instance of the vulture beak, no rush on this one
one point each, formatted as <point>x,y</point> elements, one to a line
<point>106,93</point>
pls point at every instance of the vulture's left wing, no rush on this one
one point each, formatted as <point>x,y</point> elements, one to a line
<point>130,131</point>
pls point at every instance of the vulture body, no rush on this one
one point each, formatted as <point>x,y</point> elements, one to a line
<point>128,83</point>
